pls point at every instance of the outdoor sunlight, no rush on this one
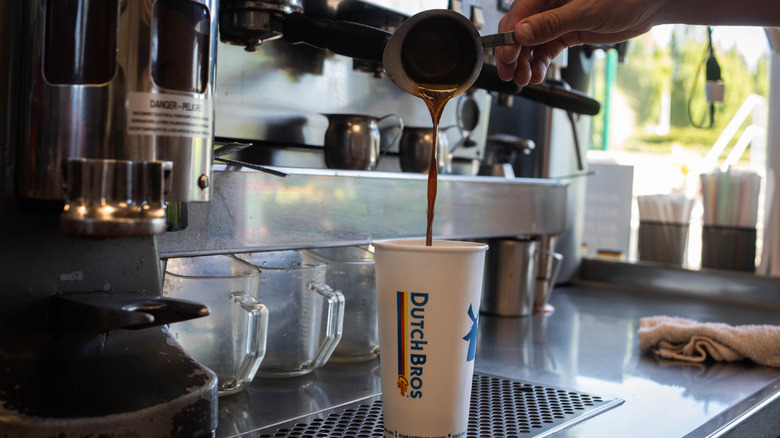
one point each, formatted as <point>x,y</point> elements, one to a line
<point>659,119</point>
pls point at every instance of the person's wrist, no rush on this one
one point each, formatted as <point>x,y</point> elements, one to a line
<point>671,12</point>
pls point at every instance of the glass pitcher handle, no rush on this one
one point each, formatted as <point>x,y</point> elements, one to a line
<point>335,321</point>
<point>257,333</point>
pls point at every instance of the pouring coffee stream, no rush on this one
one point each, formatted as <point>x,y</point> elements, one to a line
<point>435,99</point>
<point>436,55</point>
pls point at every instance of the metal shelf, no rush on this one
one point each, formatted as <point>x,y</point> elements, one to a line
<point>252,211</point>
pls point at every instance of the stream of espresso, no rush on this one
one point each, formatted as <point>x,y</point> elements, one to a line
<point>435,99</point>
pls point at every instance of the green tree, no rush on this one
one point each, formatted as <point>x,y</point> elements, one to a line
<point>680,67</point>
<point>641,78</point>
<point>761,77</point>
<point>688,100</point>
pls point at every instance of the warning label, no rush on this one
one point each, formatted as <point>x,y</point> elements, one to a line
<point>169,114</point>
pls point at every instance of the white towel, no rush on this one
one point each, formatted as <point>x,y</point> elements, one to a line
<point>683,339</point>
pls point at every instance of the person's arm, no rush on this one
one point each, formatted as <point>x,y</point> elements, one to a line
<point>544,28</point>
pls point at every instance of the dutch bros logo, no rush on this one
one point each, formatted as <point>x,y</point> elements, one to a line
<point>411,342</point>
<point>471,336</point>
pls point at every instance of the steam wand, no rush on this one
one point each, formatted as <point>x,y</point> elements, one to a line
<point>230,148</point>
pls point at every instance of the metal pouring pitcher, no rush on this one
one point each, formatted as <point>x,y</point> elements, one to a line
<point>415,150</point>
<point>354,142</point>
<point>509,285</point>
<point>438,49</point>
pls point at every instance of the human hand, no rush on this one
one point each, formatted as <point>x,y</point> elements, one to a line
<point>544,28</point>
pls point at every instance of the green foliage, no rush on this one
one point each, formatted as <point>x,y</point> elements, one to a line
<point>697,141</point>
<point>644,74</point>
<point>700,140</point>
<point>678,70</point>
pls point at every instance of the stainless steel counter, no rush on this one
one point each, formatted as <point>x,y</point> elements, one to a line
<point>587,344</point>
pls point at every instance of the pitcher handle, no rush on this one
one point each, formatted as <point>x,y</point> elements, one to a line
<point>444,130</point>
<point>400,129</point>
<point>257,333</point>
<point>335,321</point>
<point>556,260</point>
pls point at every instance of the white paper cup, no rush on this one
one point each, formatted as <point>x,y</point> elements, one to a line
<point>428,305</point>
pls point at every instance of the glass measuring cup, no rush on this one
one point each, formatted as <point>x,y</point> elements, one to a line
<point>351,270</point>
<point>230,341</point>
<point>308,315</point>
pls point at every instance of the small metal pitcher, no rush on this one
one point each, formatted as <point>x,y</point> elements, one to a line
<point>354,142</point>
<point>415,150</point>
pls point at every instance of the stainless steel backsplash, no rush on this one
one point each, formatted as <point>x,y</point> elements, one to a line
<point>279,94</point>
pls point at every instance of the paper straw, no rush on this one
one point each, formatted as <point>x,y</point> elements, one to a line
<point>674,208</point>
<point>730,198</point>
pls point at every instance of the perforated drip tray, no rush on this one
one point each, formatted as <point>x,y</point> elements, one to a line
<point>499,408</point>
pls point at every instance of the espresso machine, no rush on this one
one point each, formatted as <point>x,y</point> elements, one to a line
<point>111,112</point>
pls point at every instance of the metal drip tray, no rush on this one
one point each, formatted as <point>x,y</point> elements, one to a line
<point>499,408</point>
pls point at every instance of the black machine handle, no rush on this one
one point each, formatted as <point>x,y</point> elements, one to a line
<point>346,38</point>
<point>101,311</point>
<point>558,97</point>
<point>360,41</point>
<point>554,95</point>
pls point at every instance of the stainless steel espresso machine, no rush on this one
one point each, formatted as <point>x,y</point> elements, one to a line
<point>110,112</point>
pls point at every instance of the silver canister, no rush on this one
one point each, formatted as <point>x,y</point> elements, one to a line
<point>510,277</point>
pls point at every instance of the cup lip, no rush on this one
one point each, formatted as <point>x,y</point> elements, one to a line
<point>333,260</point>
<point>302,267</point>
<point>254,268</point>
<point>439,246</point>
<point>420,128</point>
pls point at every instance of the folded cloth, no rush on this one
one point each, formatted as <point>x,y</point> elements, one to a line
<point>684,339</point>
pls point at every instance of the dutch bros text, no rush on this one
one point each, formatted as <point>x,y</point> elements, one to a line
<point>411,342</point>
